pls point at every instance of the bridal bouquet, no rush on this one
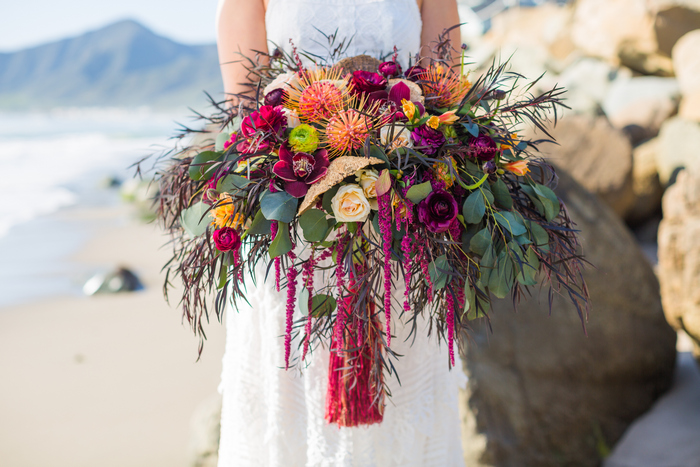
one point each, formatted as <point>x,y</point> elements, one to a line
<point>381,178</point>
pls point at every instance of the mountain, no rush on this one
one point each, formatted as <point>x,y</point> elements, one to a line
<point>123,64</point>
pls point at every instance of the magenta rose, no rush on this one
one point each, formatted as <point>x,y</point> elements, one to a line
<point>300,170</point>
<point>226,239</point>
<point>368,82</point>
<point>483,147</point>
<point>390,69</point>
<point>267,119</point>
<point>428,139</point>
<point>415,73</point>
<point>437,211</point>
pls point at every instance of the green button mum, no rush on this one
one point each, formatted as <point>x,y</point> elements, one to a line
<point>304,138</point>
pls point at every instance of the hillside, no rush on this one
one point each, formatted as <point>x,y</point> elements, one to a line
<point>123,64</point>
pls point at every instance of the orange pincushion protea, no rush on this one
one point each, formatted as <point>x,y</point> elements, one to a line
<point>347,130</point>
<point>320,101</point>
<point>443,87</point>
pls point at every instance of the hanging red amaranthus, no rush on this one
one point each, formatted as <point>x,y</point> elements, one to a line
<point>385,229</point>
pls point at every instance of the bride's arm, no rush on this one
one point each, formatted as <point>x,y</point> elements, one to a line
<point>438,15</point>
<point>240,28</point>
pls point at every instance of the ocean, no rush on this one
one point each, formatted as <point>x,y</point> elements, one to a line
<point>54,162</point>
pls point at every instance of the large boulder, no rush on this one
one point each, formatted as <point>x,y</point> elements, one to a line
<point>686,62</point>
<point>640,105</point>
<point>672,20</point>
<point>679,255</point>
<point>690,107</point>
<point>540,391</point>
<point>597,155</point>
<point>679,140</point>
<point>645,183</point>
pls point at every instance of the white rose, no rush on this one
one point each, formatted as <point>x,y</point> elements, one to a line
<point>367,178</point>
<point>282,81</point>
<point>292,117</point>
<point>401,136</point>
<point>350,204</point>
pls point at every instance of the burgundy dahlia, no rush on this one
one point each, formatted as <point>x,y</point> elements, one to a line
<point>268,119</point>
<point>300,170</point>
<point>390,69</point>
<point>428,139</point>
<point>226,239</point>
<point>438,210</point>
<point>483,147</point>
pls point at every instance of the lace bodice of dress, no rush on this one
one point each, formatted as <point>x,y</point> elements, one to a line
<point>375,26</point>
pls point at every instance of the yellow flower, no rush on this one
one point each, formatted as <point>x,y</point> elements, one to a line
<point>518,167</point>
<point>409,109</point>
<point>514,137</point>
<point>448,118</point>
<point>224,214</point>
<point>350,204</point>
<point>433,122</point>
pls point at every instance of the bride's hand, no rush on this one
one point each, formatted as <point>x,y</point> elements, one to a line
<point>240,29</point>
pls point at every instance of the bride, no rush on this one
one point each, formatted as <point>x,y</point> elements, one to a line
<point>273,417</point>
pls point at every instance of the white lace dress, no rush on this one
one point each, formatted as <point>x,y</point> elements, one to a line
<point>273,417</point>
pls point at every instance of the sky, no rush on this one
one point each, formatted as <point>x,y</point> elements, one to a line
<point>26,23</point>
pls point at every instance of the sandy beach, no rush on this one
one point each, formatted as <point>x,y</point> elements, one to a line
<point>109,380</point>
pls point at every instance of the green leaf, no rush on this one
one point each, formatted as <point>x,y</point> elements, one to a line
<point>487,263</point>
<point>528,275</point>
<point>512,223</point>
<point>374,151</point>
<point>221,138</point>
<point>195,219</point>
<point>472,128</point>
<point>282,244</point>
<point>232,183</point>
<point>315,225</point>
<point>418,193</point>
<point>539,234</point>
<point>383,183</point>
<point>201,166</point>
<point>322,305</point>
<point>474,208</point>
<point>279,206</point>
<point>502,195</point>
<point>303,301</point>
<point>260,225</point>
<point>501,279</point>
<point>328,197</point>
<point>440,270</point>
<point>480,242</point>
<point>549,201</point>
<point>223,276</point>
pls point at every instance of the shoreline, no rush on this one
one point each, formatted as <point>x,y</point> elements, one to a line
<point>108,380</point>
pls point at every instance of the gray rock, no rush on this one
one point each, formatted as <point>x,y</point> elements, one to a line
<point>640,105</point>
<point>120,279</point>
<point>679,255</point>
<point>679,140</point>
<point>597,155</point>
<point>672,20</point>
<point>540,392</point>
<point>205,432</point>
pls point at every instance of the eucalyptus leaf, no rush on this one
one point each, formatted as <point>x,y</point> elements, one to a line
<point>511,222</point>
<point>195,219</point>
<point>282,244</point>
<point>549,201</point>
<point>221,138</point>
<point>314,224</point>
<point>539,234</point>
<point>502,195</point>
<point>328,198</point>
<point>472,128</point>
<point>528,275</point>
<point>201,166</point>
<point>279,206</point>
<point>501,279</point>
<point>260,225</point>
<point>480,242</point>
<point>322,305</point>
<point>303,301</point>
<point>488,260</point>
<point>374,151</point>
<point>474,208</point>
<point>232,183</point>
<point>418,193</point>
<point>223,276</point>
<point>440,272</point>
